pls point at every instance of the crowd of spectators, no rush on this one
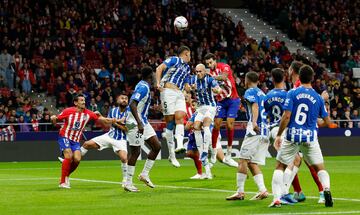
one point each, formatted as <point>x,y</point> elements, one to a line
<point>62,48</point>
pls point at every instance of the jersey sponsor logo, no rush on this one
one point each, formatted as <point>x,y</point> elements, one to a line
<point>137,95</point>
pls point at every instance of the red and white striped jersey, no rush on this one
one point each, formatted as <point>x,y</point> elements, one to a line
<point>75,122</point>
<point>228,86</point>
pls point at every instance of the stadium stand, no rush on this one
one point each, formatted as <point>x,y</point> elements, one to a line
<point>97,47</point>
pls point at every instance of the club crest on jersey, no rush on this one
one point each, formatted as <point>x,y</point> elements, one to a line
<point>76,126</point>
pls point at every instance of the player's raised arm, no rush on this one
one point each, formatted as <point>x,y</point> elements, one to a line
<point>159,71</point>
<point>324,115</point>
<point>133,108</point>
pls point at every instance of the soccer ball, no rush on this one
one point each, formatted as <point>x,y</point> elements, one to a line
<point>180,23</point>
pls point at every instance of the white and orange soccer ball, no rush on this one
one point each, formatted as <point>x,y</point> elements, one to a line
<point>180,23</point>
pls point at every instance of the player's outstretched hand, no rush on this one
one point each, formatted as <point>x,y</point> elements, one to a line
<point>159,87</point>
<point>277,143</point>
<point>53,119</point>
<point>325,95</point>
<point>140,128</point>
<point>256,128</point>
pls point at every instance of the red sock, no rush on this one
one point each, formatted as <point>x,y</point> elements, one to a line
<point>296,184</point>
<point>315,177</point>
<point>215,136</point>
<point>74,165</point>
<point>230,136</point>
<point>197,162</point>
<point>65,169</point>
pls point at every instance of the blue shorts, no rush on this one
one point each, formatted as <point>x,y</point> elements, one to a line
<point>65,143</point>
<point>192,143</point>
<point>227,108</point>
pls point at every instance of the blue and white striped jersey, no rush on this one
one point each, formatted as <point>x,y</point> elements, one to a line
<point>255,95</point>
<point>305,105</point>
<point>274,105</point>
<point>204,93</point>
<point>142,95</point>
<point>115,132</point>
<point>177,72</point>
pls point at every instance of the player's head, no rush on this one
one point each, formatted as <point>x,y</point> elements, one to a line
<point>146,73</point>
<point>79,101</point>
<point>277,75</point>
<point>200,71</point>
<point>210,60</point>
<point>185,53</point>
<point>306,74</point>
<point>122,100</point>
<point>251,78</point>
<point>294,69</point>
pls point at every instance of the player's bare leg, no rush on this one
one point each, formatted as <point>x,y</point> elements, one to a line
<point>134,154</point>
<point>240,178</point>
<point>155,146</point>
<point>179,131</point>
<point>230,135</point>
<point>90,144</point>
<point>259,181</point>
<point>220,156</point>
<point>169,136</point>
<point>123,158</point>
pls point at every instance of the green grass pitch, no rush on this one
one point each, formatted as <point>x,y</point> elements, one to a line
<point>32,188</point>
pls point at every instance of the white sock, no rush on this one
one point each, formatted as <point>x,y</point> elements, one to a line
<point>179,135</point>
<point>295,170</point>
<point>124,167</point>
<point>170,142</point>
<point>287,181</point>
<point>129,174</point>
<point>277,183</point>
<point>207,169</point>
<point>207,138</point>
<point>228,151</point>
<point>83,151</point>
<point>324,179</point>
<point>198,140</point>
<point>241,178</point>
<point>147,167</point>
<point>259,181</point>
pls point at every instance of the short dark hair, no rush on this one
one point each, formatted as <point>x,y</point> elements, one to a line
<point>76,97</point>
<point>306,74</point>
<point>277,75</point>
<point>210,56</point>
<point>295,65</point>
<point>182,49</point>
<point>252,76</point>
<point>146,71</point>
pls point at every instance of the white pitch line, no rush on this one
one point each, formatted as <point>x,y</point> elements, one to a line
<point>305,213</point>
<point>199,188</point>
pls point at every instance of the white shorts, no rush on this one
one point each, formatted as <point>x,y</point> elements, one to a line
<point>136,139</point>
<point>105,141</point>
<point>311,152</point>
<point>172,100</point>
<point>255,149</point>
<point>205,111</point>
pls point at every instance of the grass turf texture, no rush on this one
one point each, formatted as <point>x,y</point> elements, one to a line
<point>41,195</point>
